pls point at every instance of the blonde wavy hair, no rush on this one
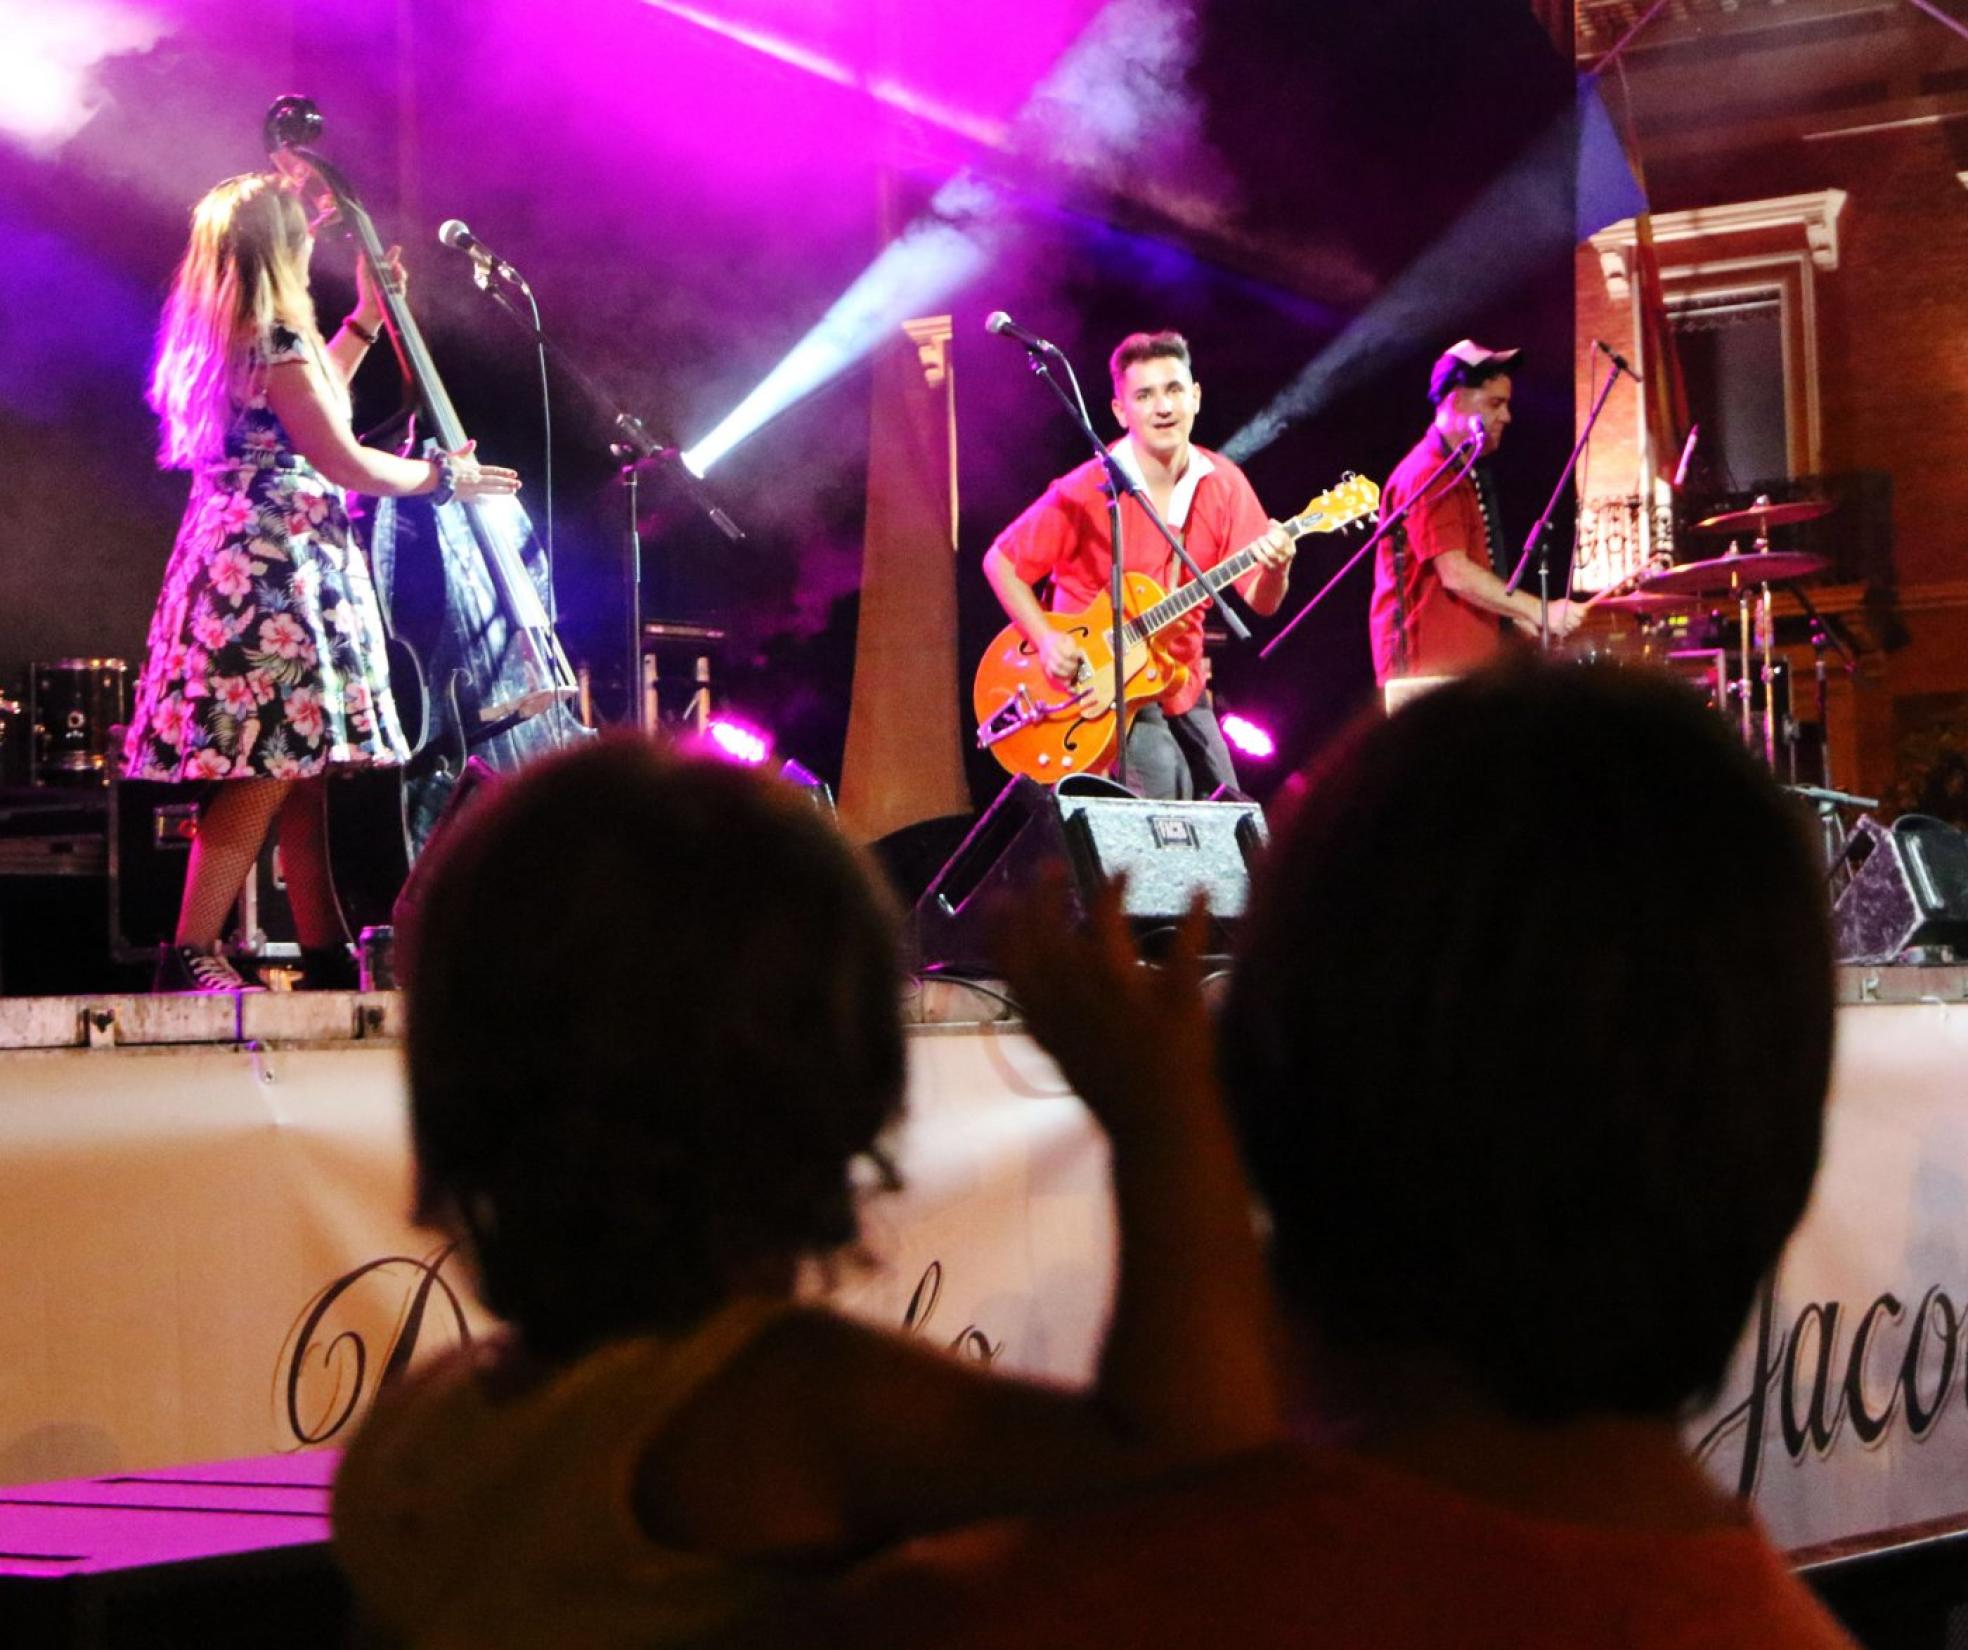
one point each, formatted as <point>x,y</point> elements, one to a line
<point>243,271</point>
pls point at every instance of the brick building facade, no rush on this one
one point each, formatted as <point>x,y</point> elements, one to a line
<point>1818,152</point>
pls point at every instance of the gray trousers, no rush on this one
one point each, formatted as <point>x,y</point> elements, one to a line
<point>1175,758</point>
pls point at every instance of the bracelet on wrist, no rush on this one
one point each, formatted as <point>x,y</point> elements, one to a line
<point>359,330</point>
<point>447,481</point>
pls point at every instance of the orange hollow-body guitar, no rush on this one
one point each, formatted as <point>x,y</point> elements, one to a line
<point>1046,730</point>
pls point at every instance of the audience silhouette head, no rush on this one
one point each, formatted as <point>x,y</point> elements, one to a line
<point>654,1022</point>
<point>1529,1042</point>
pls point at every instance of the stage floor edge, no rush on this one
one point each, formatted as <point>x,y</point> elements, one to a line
<point>289,1018</point>
<point>301,1017</point>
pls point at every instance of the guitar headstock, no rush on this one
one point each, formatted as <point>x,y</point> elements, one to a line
<point>1354,499</point>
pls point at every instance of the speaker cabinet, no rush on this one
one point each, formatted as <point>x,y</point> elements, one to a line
<point>1908,887</point>
<point>1169,850</point>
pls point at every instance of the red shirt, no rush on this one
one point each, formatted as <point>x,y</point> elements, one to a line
<point>1062,536</point>
<point>1419,627</point>
<point>1310,1548</point>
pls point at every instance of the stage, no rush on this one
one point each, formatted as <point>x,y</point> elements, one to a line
<point>202,1201</point>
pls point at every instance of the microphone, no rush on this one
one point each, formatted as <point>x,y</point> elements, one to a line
<point>1005,327</point>
<point>453,233</point>
<point>1476,431</point>
<point>1687,452</point>
<point>1617,360</point>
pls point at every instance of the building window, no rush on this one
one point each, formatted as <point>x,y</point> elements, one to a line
<point>1740,283</point>
<point>1732,348</point>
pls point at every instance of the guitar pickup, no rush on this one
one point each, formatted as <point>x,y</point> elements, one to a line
<point>1021,710</point>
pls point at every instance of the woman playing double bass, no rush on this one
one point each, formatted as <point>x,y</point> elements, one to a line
<point>265,669</point>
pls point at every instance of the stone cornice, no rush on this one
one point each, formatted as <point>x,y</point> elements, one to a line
<point>1814,217</point>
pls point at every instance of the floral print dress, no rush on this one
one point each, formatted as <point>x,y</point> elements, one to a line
<point>265,658</point>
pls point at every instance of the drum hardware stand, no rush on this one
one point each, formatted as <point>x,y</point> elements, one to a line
<point>1540,539</point>
<point>1766,630</point>
<point>697,709</point>
<point>1824,633</point>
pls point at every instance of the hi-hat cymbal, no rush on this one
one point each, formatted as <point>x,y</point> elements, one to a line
<point>1760,518</point>
<point>1723,573</point>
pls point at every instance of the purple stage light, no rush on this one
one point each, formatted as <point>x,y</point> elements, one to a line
<point>1250,739</point>
<point>882,88</point>
<point>739,742</point>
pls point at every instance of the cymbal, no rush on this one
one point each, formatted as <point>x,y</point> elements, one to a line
<point>1759,518</point>
<point>1723,573</point>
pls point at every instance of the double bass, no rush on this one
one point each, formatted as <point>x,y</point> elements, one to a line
<point>463,585</point>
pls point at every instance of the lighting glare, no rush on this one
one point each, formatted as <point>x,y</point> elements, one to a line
<point>1460,275</point>
<point>914,273</point>
<point>739,742</point>
<point>1109,92</point>
<point>47,67</point>
<point>1252,740</point>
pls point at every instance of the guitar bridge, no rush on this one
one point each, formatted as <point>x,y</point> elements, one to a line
<point>1019,711</point>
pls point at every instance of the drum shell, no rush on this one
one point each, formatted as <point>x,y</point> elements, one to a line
<point>76,709</point>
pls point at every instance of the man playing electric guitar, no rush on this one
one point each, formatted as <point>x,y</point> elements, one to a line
<point>1174,747</point>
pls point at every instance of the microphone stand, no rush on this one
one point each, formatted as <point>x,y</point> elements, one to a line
<point>637,450</point>
<point>1540,535</point>
<point>1387,525</point>
<point>1118,482</point>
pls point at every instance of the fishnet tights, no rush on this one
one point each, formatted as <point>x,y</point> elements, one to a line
<point>231,828</point>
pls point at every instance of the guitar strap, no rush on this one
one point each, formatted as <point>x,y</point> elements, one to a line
<point>1501,563</point>
<point>1398,550</point>
<point>1499,552</point>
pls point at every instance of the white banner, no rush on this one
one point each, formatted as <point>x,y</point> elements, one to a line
<point>1846,1410</point>
<point>208,1254</point>
<point>208,1257</point>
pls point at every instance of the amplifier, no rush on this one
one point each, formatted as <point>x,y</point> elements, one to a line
<point>1169,850</point>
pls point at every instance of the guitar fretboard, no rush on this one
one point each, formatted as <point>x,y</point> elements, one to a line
<point>1186,596</point>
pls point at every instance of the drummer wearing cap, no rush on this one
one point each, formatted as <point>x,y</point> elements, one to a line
<point>1439,602</point>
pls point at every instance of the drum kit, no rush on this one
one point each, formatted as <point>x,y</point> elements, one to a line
<point>75,712</point>
<point>1747,578</point>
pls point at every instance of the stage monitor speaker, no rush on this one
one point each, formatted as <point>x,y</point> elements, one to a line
<point>1168,850</point>
<point>1908,889</point>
